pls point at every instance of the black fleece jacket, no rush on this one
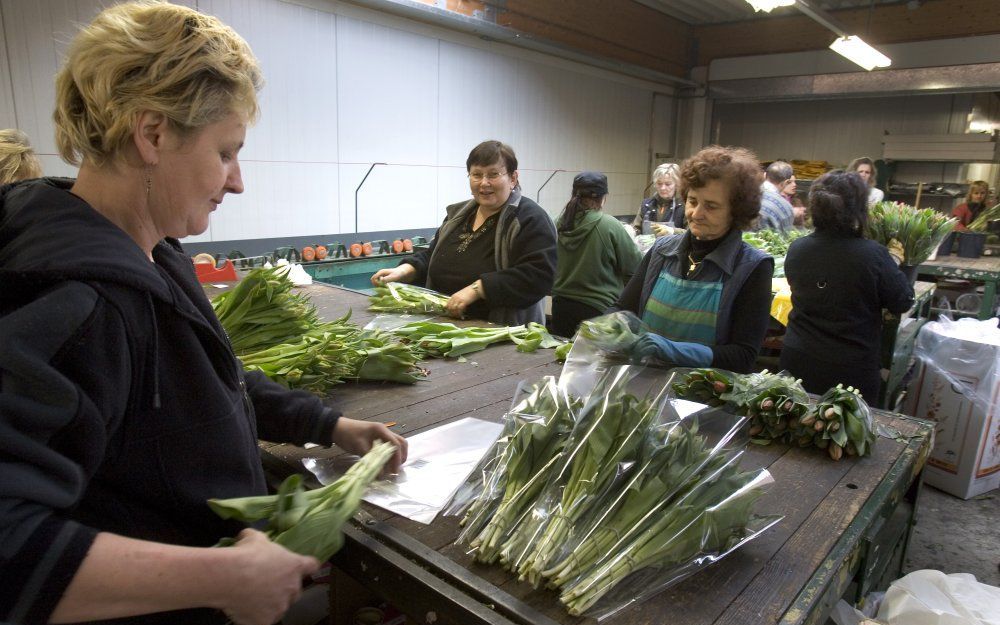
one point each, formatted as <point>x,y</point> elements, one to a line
<point>122,407</point>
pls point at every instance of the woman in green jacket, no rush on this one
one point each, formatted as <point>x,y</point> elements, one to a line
<point>596,256</point>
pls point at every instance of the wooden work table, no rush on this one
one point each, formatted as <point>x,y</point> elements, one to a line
<point>845,527</point>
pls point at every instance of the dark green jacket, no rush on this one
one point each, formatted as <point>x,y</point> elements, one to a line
<point>595,260</point>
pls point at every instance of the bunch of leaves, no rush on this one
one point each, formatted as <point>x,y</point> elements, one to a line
<point>613,333</point>
<point>705,386</point>
<point>773,242</point>
<point>774,402</point>
<point>673,455</point>
<point>405,298</point>
<point>440,339</point>
<point>980,223</point>
<point>607,436</point>
<point>261,311</point>
<point>335,351</point>
<point>520,464</point>
<point>708,518</point>
<point>308,522</point>
<point>918,231</point>
<point>279,333</point>
<point>612,441</point>
<point>841,422</point>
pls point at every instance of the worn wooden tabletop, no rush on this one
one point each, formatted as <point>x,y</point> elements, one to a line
<point>788,575</point>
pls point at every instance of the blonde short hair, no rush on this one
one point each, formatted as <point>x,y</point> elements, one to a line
<point>666,170</point>
<point>149,56</point>
<point>17,157</point>
<point>977,185</point>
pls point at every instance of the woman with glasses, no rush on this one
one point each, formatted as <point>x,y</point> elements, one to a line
<point>494,254</point>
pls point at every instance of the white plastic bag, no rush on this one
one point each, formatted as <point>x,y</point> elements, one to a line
<point>930,597</point>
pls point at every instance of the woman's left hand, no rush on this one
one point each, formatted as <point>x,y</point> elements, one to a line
<point>461,300</point>
<point>357,437</point>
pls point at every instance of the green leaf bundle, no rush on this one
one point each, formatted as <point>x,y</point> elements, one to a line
<point>309,522</point>
<point>399,297</point>
<point>260,311</point>
<point>441,339</point>
<point>918,231</point>
<point>707,520</point>
<point>523,460</point>
<point>280,334</point>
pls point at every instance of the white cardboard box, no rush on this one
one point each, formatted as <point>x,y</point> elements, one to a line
<point>965,460</point>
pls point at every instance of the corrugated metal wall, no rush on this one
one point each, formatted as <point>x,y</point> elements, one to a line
<point>342,93</point>
<point>839,130</point>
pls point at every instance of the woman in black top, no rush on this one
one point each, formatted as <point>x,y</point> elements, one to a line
<point>840,284</point>
<point>494,254</point>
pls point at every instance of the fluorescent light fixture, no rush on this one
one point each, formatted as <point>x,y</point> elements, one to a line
<point>855,49</point>
<point>768,5</point>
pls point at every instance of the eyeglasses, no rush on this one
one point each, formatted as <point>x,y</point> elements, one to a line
<point>493,176</point>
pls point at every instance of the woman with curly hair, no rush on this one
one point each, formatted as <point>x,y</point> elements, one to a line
<point>704,295</point>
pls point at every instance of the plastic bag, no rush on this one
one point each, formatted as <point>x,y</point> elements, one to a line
<point>930,597</point>
<point>709,521</point>
<point>518,465</point>
<point>626,401</point>
<point>390,321</point>
<point>966,353</point>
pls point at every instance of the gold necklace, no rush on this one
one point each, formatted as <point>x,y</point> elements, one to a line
<point>694,263</point>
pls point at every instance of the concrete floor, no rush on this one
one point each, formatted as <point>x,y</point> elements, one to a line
<point>957,536</point>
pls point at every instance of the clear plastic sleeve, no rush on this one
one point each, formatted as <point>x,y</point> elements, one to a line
<point>406,298</point>
<point>390,321</point>
<point>965,353</point>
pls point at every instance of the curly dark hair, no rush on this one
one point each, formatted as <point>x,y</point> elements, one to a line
<point>737,166</point>
<point>838,201</point>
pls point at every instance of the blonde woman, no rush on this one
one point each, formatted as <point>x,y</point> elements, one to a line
<point>123,406</point>
<point>662,209</point>
<point>975,202</point>
<point>865,168</point>
<point>17,157</point>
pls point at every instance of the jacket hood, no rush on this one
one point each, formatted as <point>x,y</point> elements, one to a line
<point>585,224</point>
<point>47,234</point>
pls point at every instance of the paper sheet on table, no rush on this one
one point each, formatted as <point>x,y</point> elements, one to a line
<point>438,461</point>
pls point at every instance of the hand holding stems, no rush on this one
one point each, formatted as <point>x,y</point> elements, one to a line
<point>896,251</point>
<point>357,437</point>
<point>461,300</point>
<point>271,580</point>
<point>402,273</point>
<point>662,230</point>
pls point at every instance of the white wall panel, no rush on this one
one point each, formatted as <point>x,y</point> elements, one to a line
<point>36,35</point>
<point>7,117</point>
<point>280,200</point>
<point>553,119</point>
<point>343,92</point>
<point>393,197</point>
<point>290,157</point>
